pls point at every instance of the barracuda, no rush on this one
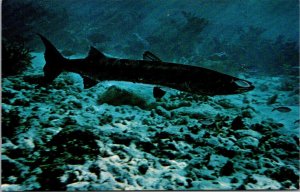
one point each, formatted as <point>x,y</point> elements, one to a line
<point>97,67</point>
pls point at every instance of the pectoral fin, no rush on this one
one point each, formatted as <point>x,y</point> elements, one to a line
<point>158,92</point>
<point>150,56</point>
<point>88,82</point>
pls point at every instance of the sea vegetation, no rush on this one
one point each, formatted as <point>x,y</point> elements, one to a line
<point>10,122</point>
<point>18,32</point>
<point>184,37</point>
<point>127,29</point>
<point>16,58</point>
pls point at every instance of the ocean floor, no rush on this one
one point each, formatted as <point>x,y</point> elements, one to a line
<point>117,136</point>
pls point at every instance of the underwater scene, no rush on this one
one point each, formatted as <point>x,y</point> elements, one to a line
<point>150,95</point>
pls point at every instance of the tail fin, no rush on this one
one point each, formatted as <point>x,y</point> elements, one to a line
<point>54,61</point>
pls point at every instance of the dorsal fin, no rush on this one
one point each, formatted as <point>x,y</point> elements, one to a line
<point>94,53</point>
<point>51,52</point>
<point>150,56</point>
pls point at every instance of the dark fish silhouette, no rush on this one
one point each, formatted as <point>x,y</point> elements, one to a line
<point>67,53</point>
<point>158,92</point>
<point>98,67</point>
<point>282,109</point>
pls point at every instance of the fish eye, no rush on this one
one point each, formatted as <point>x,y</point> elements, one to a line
<point>242,83</point>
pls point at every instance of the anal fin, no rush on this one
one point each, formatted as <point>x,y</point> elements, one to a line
<point>88,82</point>
<point>158,93</point>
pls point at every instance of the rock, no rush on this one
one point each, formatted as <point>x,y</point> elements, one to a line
<point>217,161</point>
<point>74,144</point>
<point>226,103</point>
<point>140,181</point>
<point>207,122</point>
<point>105,119</point>
<point>196,162</point>
<point>246,100</point>
<point>229,152</point>
<point>287,184</point>
<point>260,127</point>
<point>177,104</point>
<point>180,181</point>
<point>181,121</point>
<point>72,102</point>
<point>284,142</point>
<point>78,186</point>
<point>11,187</point>
<point>143,168</point>
<point>213,141</point>
<point>145,146</point>
<point>248,132</point>
<point>26,143</point>
<point>227,169</point>
<point>11,120</point>
<point>247,113</point>
<point>109,186</point>
<point>94,168</point>
<point>248,142</point>
<point>165,162</point>
<point>237,123</point>
<point>261,182</point>
<point>163,112</point>
<point>252,165</point>
<point>117,96</point>
<point>12,168</point>
<point>7,145</point>
<point>163,135</point>
<point>22,102</point>
<point>194,129</point>
<point>203,111</point>
<point>205,174</point>
<point>286,173</point>
<point>69,121</point>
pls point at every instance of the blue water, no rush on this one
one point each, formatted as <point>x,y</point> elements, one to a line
<point>181,142</point>
<point>260,35</point>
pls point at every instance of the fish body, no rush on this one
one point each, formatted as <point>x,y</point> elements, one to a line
<point>97,67</point>
<point>282,109</point>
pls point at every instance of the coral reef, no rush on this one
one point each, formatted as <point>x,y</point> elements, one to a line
<point>110,142</point>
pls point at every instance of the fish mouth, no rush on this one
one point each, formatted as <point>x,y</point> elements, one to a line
<point>243,86</point>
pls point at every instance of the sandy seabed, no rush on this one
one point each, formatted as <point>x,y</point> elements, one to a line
<point>117,136</point>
